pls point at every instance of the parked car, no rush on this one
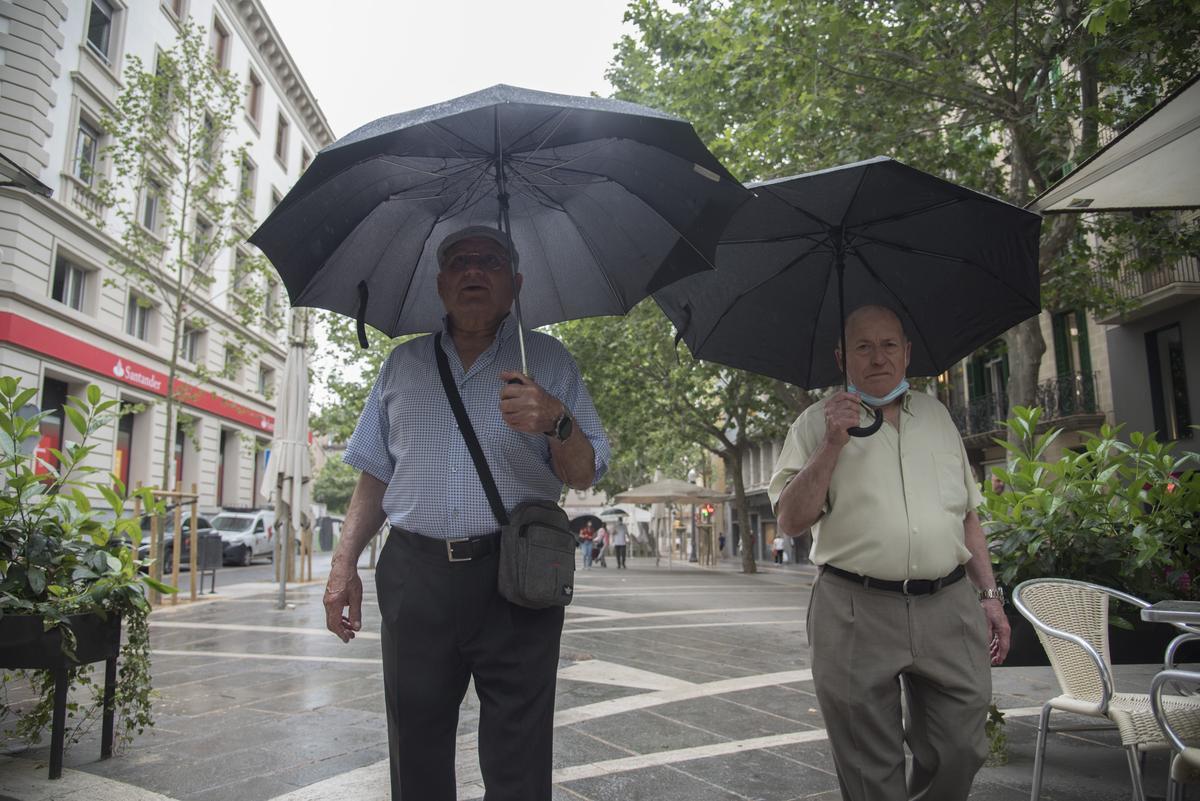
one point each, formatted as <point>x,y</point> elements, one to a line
<point>203,527</point>
<point>246,534</point>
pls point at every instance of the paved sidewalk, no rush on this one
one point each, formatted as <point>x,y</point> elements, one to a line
<point>688,683</point>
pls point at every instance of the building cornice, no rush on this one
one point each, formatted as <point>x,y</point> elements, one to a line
<point>254,19</point>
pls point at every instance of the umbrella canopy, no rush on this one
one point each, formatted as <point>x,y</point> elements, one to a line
<point>605,201</point>
<point>288,476</point>
<point>959,268</point>
<point>671,490</point>
<point>1153,164</point>
<point>577,523</point>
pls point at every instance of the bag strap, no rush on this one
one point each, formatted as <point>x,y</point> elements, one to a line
<point>468,433</point>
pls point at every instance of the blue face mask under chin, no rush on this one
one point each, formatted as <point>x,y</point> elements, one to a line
<point>871,400</point>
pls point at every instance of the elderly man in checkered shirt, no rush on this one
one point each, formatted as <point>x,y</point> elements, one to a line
<point>443,621</point>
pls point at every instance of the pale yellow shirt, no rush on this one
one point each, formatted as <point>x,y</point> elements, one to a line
<point>897,498</point>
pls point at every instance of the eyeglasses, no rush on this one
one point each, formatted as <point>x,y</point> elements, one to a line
<point>490,262</point>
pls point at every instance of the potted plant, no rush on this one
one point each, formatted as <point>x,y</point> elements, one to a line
<point>1121,514</point>
<point>69,572</point>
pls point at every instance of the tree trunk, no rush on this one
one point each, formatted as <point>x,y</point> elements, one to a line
<point>1025,348</point>
<point>733,467</point>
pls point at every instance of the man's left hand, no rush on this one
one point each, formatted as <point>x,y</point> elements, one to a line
<point>525,406</point>
<point>998,630</point>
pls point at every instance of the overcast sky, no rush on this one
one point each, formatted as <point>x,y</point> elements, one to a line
<point>367,58</point>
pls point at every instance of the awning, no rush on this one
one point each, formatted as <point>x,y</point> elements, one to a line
<point>1152,164</point>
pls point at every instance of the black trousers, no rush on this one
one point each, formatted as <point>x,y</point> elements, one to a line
<point>444,623</point>
<point>620,555</point>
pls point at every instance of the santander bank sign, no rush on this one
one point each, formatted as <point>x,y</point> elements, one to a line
<point>134,375</point>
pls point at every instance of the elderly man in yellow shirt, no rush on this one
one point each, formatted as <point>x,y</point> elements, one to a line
<point>895,532</point>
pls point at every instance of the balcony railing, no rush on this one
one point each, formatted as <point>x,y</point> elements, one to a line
<point>1058,398</point>
<point>1131,284</point>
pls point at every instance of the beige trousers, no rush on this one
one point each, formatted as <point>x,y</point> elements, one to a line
<point>864,643</point>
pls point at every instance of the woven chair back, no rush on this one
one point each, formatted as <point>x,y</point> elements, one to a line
<point>1077,610</point>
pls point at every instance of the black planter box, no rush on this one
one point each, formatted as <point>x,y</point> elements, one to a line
<point>1145,644</point>
<point>25,646</point>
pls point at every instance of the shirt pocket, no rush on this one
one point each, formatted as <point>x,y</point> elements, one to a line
<point>948,471</point>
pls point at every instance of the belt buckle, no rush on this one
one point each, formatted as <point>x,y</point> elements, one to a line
<point>450,551</point>
<point>904,587</point>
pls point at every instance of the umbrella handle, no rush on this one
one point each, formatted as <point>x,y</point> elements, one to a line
<point>861,431</point>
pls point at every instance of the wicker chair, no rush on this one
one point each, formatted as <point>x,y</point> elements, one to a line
<point>1182,729</point>
<point>1071,618</point>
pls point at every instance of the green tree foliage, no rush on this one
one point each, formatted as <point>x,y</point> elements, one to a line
<point>1001,97</point>
<point>176,206</point>
<point>347,374</point>
<point>661,407</point>
<point>334,485</point>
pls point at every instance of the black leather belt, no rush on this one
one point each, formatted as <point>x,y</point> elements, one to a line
<point>907,586</point>
<point>461,550</point>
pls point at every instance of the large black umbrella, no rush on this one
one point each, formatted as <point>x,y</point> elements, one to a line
<point>606,201</point>
<point>958,266</point>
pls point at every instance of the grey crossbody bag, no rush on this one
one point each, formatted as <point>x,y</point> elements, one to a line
<point>537,548</point>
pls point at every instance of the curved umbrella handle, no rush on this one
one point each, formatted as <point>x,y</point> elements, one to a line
<point>866,431</point>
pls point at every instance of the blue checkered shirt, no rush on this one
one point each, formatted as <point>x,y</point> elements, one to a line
<point>407,436</point>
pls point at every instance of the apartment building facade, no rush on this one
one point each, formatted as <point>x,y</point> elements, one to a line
<point>68,318</point>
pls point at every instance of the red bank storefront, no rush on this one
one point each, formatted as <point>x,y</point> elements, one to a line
<point>219,444</point>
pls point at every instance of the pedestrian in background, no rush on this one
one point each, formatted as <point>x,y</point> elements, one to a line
<point>620,541</point>
<point>600,546</point>
<point>777,547</point>
<point>587,536</point>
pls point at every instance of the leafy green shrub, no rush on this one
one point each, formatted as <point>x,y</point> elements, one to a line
<point>1124,515</point>
<point>60,555</point>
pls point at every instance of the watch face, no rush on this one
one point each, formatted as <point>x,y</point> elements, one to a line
<point>563,429</point>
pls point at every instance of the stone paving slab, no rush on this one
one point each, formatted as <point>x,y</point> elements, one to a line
<point>682,684</point>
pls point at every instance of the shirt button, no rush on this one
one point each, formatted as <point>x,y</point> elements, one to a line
<point>914,567</point>
<point>916,530</point>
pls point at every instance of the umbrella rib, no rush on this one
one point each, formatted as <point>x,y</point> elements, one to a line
<point>411,277</point>
<point>871,271</point>
<point>437,128</point>
<point>749,289</point>
<point>562,117</point>
<point>905,214</point>
<point>909,249</point>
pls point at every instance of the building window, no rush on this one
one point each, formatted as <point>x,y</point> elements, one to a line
<point>281,140</point>
<point>87,144</point>
<point>50,429</point>
<point>137,317</point>
<point>176,9</point>
<point>180,440</point>
<point>1071,351</point>
<point>122,454</point>
<point>100,28</point>
<point>209,146</point>
<point>152,206</point>
<point>218,43</point>
<point>254,99</point>
<point>276,198</point>
<point>70,281</point>
<point>232,364</point>
<point>193,339</point>
<point>266,382</point>
<point>202,240</point>
<point>305,158</point>
<point>272,300</point>
<point>246,181</point>
<point>1168,383</point>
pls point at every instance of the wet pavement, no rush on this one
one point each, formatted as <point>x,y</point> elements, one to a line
<point>688,683</point>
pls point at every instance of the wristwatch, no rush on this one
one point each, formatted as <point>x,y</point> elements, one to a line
<point>993,592</point>
<point>562,427</point>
